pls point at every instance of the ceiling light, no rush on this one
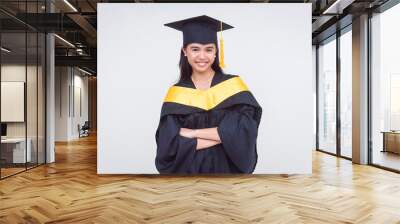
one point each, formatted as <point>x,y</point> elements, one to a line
<point>70,5</point>
<point>338,6</point>
<point>65,41</point>
<point>84,71</point>
<point>5,50</point>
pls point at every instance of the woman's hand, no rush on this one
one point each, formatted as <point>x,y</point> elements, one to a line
<point>205,143</point>
<point>188,133</point>
<point>208,133</point>
<point>201,143</point>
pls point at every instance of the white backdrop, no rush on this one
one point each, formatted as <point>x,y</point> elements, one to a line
<point>270,48</point>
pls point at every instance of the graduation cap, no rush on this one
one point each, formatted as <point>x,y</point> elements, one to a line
<point>203,30</point>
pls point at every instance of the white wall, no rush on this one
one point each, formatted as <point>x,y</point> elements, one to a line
<point>17,73</point>
<point>270,50</point>
<point>67,84</point>
<point>79,117</point>
<point>61,103</point>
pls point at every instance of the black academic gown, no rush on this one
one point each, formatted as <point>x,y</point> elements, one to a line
<point>237,117</point>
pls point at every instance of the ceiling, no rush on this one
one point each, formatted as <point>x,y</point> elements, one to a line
<point>76,22</point>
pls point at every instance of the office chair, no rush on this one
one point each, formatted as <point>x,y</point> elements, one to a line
<point>84,130</point>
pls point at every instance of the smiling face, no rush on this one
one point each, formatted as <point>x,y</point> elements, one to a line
<point>200,56</point>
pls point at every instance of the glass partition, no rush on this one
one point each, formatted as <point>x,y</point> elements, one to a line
<point>22,77</point>
<point>14,153</point>
<point>385,89</point>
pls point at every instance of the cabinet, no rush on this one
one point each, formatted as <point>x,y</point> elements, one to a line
<point>391,141</point>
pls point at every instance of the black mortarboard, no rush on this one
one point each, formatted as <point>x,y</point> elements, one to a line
<point>202,30</point>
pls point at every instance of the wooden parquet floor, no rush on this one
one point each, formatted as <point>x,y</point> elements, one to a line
<point>70,191</point>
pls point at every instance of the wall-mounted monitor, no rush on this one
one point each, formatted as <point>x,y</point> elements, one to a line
<point>12,101</point>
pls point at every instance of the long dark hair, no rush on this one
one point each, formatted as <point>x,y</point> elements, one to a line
<point>186,69</point>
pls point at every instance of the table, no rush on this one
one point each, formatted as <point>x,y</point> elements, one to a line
<point>15,148</point>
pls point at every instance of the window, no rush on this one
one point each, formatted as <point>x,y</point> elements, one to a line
<point>327,96</point>
<point>346,93</point>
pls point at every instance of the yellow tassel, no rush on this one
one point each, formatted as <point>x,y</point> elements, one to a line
<point>221,53</point>
<point>221,50</point>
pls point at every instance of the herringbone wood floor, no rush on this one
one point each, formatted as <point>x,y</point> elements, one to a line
<point>70,191</point>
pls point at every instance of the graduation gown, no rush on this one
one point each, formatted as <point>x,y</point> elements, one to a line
<point>227,105</point>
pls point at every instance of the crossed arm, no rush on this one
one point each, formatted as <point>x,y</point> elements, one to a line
<point>206,137</point>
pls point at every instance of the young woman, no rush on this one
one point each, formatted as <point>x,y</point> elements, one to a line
<point>209,120</point>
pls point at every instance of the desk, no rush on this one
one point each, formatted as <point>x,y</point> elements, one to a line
<point>391,141</point>
<point>15,148</point>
